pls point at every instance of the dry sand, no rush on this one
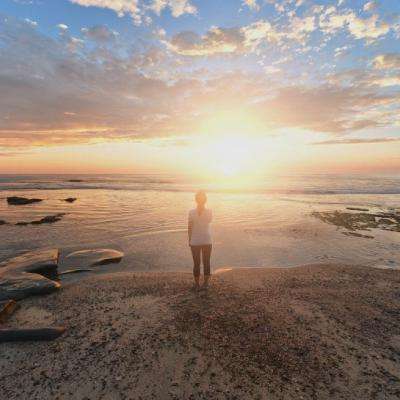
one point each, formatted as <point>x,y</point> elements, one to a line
<point>311,332</point>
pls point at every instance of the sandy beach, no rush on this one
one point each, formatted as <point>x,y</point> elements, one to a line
<point>310,332</point>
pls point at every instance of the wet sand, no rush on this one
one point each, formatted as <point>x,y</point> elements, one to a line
<point>310,332</point>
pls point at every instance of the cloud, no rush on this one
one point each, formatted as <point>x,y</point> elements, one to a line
<point>387,61</point>
<point>370,28</point>
<point>357,141</point>
<point>223,40</point>
<point>63,27</point>
<point>300,28</point>
<point>8,153</point>
<point>30,22</point>
<point>56,95</point>
<point>137,9</point>
<point>380,76</point>
<point>252,4</point>
<point>99,33</point>
<point>386,81</point>
<point>69,90</point>
<point>177,7</point>
<point>370,6</point>
<point>215,41</point>
<point>121,7</point>
<point>252,38</point>
<point>332,21</point>
<point>327,108</point>
<point>257,33</point>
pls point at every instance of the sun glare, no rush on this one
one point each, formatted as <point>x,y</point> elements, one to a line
<point>231,155</point>
<point>229,147</point>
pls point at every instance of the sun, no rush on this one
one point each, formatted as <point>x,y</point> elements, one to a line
<point>230,159</point>
<point>228,148</point>
<point>230,155</point>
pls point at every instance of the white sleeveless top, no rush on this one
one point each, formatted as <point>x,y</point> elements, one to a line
<point>201,229</point>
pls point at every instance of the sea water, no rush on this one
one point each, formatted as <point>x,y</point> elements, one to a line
<point>145,215</point>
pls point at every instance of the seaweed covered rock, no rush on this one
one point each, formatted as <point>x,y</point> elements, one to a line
<point>354,221</point>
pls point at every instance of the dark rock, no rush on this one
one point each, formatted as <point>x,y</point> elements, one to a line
<point>37,261</point>
<point>18,335</point>
<point>49,219</point>
<point>357,209</point>
<point>20,285</point>
<point>75,180</point>
<point>18,201</point>
<point>2,222</point>
<point>94,257</point>
<point>70,199</point>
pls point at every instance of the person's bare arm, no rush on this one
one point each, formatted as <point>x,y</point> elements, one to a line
<point>190,228</point>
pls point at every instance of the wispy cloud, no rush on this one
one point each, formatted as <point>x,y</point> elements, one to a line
<point>137,9</point>
<point>223,40</point>
<point>371,28</point>
<point>31,22</point>
<point>252,4</point>
<point>244,39</point>
<point>357,141</point>
<point>387,61</point>
<point>177,7</point>
<point>370,5</point>
<point>99,33</point>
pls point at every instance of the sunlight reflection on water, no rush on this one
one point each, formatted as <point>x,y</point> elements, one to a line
<point>250,229</point>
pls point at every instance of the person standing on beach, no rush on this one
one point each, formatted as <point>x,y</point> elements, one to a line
<point>200,242</point>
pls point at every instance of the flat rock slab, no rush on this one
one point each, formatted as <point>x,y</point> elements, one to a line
<point>20,201</point>
<point>38,261</point>
<point>20,285</point>
<point>85,258</point>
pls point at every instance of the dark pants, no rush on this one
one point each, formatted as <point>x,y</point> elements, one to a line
<point>203,252</point>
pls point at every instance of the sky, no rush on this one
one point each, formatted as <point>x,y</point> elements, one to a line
<point>209,87</point>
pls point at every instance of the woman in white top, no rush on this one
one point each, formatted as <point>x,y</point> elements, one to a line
<point>200,238</point>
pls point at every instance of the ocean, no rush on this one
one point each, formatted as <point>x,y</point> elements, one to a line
<point>267,224</point>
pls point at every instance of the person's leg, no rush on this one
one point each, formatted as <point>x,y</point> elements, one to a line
<point>196,264</point>
<point>206,253</point>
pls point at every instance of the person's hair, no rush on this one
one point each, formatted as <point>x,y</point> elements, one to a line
<point>200,196</point>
